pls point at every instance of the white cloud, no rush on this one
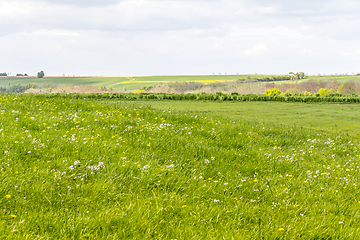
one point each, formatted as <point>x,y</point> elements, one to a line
<point>178,37</point>
<point>257,51</point>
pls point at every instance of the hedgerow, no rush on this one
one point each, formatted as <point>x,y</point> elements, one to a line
<point>334,97</point>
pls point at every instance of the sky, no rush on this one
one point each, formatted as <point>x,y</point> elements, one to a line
<point>171,37</point>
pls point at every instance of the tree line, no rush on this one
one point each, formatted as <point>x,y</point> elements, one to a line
<point>40,74</point>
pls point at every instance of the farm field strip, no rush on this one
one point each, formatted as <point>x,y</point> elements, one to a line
<point>202,81</point>
<point>95,169</point>
<point>137,82</point>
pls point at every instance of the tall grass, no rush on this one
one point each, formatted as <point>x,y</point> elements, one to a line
<point>75,168</point>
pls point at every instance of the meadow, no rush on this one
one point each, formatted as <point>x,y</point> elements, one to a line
<point>87,168</point>
<point>323,117</point>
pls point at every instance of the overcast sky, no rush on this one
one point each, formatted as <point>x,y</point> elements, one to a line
<point>170,37</point>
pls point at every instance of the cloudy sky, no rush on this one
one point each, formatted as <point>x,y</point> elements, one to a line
<point>170,37</point>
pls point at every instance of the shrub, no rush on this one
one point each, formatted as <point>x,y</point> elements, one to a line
<point>272,91</point>
<point>324,91</point>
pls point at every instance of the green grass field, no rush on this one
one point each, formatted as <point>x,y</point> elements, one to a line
<point>137,82</point>
<point>95,169</point>
<point>326,117</point>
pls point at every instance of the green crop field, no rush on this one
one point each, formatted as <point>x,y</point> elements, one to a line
<point>93,81</point>
<point>109,169</point>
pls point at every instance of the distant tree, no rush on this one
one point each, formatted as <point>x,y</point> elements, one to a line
<point>3,74</point>
<point>298,75</point>
<point>294,76</point>
<point>301,75</point>
<point>40,74</point>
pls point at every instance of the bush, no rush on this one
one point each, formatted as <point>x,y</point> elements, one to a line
<point>40,74</point>
<point>272,91</point>
<point>324,91</point>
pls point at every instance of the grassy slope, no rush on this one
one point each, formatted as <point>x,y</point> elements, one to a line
<point>345,78</point>
<point>190,78</point>
<point>341,79</point>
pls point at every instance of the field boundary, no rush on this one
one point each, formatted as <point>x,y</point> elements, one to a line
<point>331,98</point>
